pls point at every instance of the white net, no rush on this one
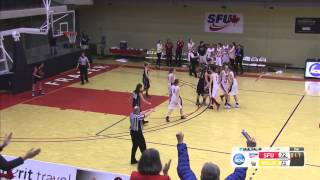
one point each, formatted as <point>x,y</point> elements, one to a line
<point>72,36</point>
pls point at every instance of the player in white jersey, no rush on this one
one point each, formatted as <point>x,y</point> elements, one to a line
<point>210,55</point>
<point>224,86</point>
<point>171,78</point>
<point>225,54</point>
<point>214,87</point>
<point>219,55</point>
<point>233,89</point>
<point>175,100</point>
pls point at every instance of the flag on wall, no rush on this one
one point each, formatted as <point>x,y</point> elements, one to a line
<point>224,23</point>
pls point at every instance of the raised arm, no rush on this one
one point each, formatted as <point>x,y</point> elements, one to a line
<point>184,170</point>
<point>8,165</point>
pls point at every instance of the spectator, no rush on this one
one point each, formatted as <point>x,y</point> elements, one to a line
<point>179,49</point>
<point>84,41</point>
<point>190,45</point>
<point>159,53</point>
<point>103,45</point>
<point>52,42</point>
<point>169,47</point>
<point>209,171</point>
<point>9,165</point>
<point>239,56</point>
<point>232,55</point>
<point>150,166</point>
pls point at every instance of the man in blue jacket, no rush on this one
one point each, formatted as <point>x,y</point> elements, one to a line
<point>209,171</point>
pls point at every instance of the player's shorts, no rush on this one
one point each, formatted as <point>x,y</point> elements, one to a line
<point>234,89</point>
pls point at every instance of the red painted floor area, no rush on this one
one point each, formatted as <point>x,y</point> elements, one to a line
<point>101,101</point>
<point>53,83</point>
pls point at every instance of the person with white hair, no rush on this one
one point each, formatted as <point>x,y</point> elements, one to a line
<point>210,171</point>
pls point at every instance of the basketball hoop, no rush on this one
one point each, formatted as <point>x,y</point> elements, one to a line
<point>72,36</point>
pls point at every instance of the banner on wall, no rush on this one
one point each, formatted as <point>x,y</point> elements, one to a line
<point>38,170</point>
<point>224,23</point>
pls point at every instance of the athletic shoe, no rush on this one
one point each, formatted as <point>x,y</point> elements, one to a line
<point>167,119</point>
<point>183,117</point>
<point>134,161</point>
<point>145,122</point>
<point>210,107</point>
<point>227,106</point>
<point>237,105</point>
<point>33,94</point>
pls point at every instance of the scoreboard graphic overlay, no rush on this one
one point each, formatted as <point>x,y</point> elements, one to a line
<point>267,157</point>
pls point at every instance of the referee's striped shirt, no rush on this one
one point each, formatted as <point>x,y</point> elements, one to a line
<point>136,121</point>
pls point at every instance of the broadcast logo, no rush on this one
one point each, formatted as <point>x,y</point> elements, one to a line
<point>239,159</point>
<point>315,69</point>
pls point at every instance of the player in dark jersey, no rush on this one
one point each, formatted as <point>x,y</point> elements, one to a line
<point>146,79</point>
<point>137,97</point>
<point>202,89</point>
<point>37,76</point>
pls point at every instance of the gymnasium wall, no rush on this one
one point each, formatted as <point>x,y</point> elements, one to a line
<point>267,32</point>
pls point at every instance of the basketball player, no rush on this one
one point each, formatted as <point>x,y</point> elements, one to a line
<point>224,86</point>
<point>214,87</point>
<point>210,55</point>
<point>171,78</point>
<point>233,89</point>
<point>202,89</point>
<point>193,57</point>
<point>83,65</point>
<point>146,79</point>
<point>225,54</point>
<point>37,76</point>
<point>137,97</point>
<point>202,51</point>
<point>219,55</point>
<point>175,100</point>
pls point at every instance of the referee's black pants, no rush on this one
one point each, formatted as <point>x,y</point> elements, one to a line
<point>137,141</point>
<point>83,73</point>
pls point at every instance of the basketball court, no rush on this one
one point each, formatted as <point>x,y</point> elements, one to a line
<point>87,125</point>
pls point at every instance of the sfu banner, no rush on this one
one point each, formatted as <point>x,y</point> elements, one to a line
<point>224,23</point>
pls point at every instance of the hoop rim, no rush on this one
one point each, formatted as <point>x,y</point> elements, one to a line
<point>67,33</point>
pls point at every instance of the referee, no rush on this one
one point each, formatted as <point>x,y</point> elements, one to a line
<point>83,65</point>
<point>136,125</point>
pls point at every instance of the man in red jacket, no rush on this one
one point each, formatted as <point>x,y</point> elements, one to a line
<point>179,49</point>
<point>169,47</point>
